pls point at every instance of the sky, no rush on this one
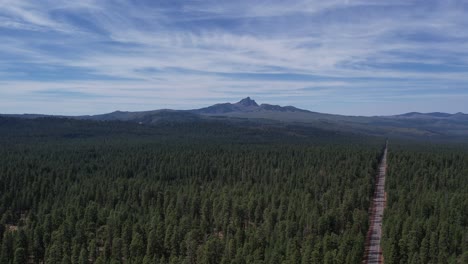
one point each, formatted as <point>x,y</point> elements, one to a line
<point>353,57</point>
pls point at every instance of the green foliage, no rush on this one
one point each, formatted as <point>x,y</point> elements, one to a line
<point>20,256</point>
<point>426,219</point>
<point>150,201</point>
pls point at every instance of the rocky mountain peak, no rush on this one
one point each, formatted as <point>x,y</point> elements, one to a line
<point>247,102</point>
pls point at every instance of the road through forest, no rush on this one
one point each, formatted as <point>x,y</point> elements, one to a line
<point>373,250</point>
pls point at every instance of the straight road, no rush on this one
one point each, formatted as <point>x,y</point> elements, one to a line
<point>373,251</point>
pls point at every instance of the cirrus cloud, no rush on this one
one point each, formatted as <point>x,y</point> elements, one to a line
<point>319,55</point>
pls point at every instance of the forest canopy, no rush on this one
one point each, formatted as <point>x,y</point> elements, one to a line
<point>112,192</point>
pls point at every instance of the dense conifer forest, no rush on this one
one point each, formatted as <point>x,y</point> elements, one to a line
<point>426,219</point>
<point>163,199</point>
<point>112,192</point>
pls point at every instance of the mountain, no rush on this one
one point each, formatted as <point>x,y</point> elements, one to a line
<point>434,115</point>
<point>247,102</point>
<point>145,117</point>
<point>246,105</point>
<point>414,124</point>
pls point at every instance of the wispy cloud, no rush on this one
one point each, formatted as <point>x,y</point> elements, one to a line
<point>183,54</point>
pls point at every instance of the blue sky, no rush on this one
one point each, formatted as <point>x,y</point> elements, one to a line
<point>356,57</point>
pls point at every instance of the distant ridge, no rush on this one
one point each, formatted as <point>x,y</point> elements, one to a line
<point>244,106</point>
<point>432,115</point>
<point>413,124</point>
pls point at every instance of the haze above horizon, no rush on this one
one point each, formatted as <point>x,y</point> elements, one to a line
<point>354,57</point>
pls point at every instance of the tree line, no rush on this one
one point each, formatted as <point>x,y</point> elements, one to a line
<point>93,201</point>
<point>426,219</point>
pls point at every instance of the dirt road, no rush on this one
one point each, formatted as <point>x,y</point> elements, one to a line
<point>373,251</point>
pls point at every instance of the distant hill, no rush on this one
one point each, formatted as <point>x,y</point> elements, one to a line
<point>245,105</point>
<point>411,125</point>
<point>146,117</point>
<point>416,115</point>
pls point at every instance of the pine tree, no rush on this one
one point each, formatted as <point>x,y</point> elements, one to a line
<point>83,256</point>
<point>54,254</point>
<point>6,253</point>
<point>21,256</point>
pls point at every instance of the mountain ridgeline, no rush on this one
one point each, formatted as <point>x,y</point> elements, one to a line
<point>231,183</point>
<point>245,105</point>
<point>410,125</point>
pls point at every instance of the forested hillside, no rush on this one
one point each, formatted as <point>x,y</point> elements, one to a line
<point>426,219</point>
<point>116,199</point>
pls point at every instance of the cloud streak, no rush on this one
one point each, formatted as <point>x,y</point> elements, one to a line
<point>184,54</point>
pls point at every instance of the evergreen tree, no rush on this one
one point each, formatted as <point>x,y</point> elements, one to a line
<point>21,256</point>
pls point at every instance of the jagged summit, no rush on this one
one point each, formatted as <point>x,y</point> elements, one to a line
<point>246,105</point>
<point>247,102</point>
<point>435,124</point>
